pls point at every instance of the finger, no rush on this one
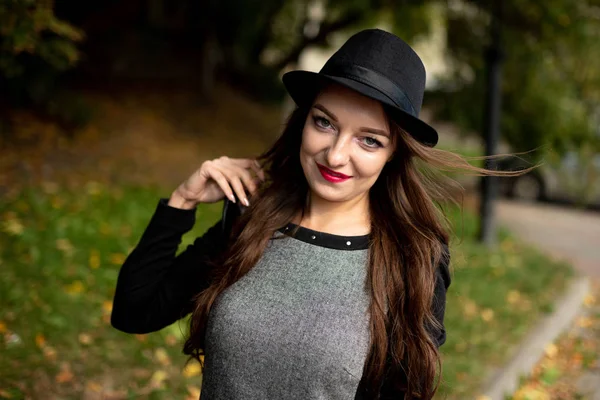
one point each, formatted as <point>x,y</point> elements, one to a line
<point>255,166</point>
<point>238,187</point>
<point>222,181</point>
<point>246,178</point>
<point>232,173</point>
<point>252,164</point>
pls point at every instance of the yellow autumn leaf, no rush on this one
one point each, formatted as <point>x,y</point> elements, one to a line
<point>85,338</point>
<point>469,308</point>
<point>40,340</point>
<point>589,300</point>
<point>191,369</point>
<point>93,386</point>
<point>65,246</point>
<point>551,350</point>
<point>171,339</point>
<point>141,337</point>
<point>531,393</point>
<point>107,306</point>
<point>161,356</point>
<point>158,378</point>
<point>75,287</point>
<point>94,260</point>
<point>117,258</point>
<point>513,297</point>
<point>13,226</point>
<point>487,315</point>
<point>194,392</point>
<point>3,328</point>
<point>584,322</point>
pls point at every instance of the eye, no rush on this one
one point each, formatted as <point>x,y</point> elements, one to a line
<point>372,142</point>
<point>322,122</point>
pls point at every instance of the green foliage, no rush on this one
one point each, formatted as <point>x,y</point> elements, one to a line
<point>29,27</point>
<point>551,97</point>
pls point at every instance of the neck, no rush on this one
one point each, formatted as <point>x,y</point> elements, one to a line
<point>348,218</point>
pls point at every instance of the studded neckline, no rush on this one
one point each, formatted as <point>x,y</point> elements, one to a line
<point>328,240</point>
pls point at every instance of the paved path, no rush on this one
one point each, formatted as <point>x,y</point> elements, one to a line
<point>564,232</point>
<point>573,235</point>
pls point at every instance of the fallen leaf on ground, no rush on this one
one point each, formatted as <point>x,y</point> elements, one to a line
<point>40,340</point>
<point>65,374</point>
<point>49,352</point>
<point>194,392</point>
<point>487,315</point>
<point>162,356</point>
<point>171,339</point>
<point>158,378</point>
<point>93,386</point>
<point>551,350</point>
<point>75,287</point>
<point>191,369</point>
<point>140,337</point>
<point>85,338</point>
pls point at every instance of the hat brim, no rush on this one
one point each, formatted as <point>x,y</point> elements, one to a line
<point>303,86</point>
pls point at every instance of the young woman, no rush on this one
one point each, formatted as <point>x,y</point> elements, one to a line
<point>327,276</point>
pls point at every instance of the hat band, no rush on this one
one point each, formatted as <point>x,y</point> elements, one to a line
<point>375,80</point>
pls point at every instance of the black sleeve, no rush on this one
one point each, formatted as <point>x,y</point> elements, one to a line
<point>442,283</point>
<point>154,287</point>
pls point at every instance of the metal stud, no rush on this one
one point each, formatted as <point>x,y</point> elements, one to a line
<point>313,237</point>
<point>348,243</point>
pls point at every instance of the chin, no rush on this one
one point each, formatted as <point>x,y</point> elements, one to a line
<point>329,193</point>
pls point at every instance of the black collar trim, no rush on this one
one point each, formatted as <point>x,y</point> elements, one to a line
<point>328,240</point>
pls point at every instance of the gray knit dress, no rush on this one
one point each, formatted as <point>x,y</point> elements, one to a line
<point>296,326</point>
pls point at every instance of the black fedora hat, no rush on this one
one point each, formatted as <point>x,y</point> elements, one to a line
<point>379,65</point>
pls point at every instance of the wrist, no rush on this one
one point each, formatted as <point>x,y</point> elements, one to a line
<point>177,201</point>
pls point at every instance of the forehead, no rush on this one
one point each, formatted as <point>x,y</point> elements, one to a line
<point>352,107</point>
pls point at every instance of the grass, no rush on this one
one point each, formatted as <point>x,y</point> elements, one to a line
<point>60,253</point>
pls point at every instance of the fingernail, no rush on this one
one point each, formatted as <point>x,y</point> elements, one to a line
<point>245,201</point>
<point>232,197</point>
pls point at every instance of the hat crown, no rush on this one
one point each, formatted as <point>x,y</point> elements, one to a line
<point>387,55</point>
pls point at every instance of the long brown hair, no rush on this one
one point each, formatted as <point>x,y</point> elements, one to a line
<point>408,228</point>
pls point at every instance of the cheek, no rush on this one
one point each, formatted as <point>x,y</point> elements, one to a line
<point>370,166</point>
<point>312,142</point>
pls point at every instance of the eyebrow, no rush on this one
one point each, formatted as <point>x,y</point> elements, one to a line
<point>333,117</point>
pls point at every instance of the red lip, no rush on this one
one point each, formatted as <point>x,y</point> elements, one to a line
<point>332,176</point>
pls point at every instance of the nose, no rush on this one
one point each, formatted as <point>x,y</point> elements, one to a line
<point>338,153</point>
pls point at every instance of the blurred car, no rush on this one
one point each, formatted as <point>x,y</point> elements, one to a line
<point>570,179</point>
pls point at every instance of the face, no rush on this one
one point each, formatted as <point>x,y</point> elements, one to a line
<point>346,143</point>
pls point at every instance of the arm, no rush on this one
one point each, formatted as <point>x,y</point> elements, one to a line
<point>442,283</point>
<point>154,287</point>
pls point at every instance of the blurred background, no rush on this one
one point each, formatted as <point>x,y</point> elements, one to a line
<point>107,106</point>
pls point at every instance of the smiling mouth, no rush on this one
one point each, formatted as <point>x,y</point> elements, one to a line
<point>332,176</point>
